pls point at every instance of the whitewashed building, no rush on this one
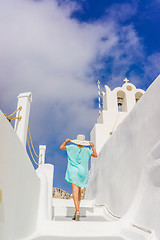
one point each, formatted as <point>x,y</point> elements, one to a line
<point>123,195</point>
<point>116,106</point>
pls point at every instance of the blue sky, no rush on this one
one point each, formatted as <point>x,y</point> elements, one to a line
<point>59,49</point>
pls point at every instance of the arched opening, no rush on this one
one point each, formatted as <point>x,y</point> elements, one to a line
<point>121,101</point>
<point>138,95</point>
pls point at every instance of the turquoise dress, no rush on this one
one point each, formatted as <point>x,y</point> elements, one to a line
<point>77,169</point>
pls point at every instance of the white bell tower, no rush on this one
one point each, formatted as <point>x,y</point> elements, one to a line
<point>116,105</point>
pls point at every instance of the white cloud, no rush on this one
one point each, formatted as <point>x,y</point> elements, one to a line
<point>122,11</point>
<point>59,59</point>
<point>44,51</point>
<point>152,66</point>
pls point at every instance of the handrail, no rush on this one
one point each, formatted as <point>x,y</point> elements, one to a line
<point>142,228</point>
<point>19,118</point>
<point>118,217</point>
<point>9,117</point>
<point>32,154</point>
<point>102,205</point>
<point>20,107</point>
<point>29,132</point>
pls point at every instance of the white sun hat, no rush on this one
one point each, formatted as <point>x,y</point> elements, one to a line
<point>81,140</point>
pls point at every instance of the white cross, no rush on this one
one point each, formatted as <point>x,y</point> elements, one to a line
<point>126,80</point>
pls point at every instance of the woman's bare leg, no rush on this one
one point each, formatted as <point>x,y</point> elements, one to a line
<point>75,193</point>
<point>79,196</point>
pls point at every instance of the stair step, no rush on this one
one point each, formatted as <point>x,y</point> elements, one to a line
<point>82,218</point>
<point>86,230</point>
<point>69,203</point>
<point>79,229</point>
<point>78,238</point>
<point>64,209</point>
<point>93,224</point>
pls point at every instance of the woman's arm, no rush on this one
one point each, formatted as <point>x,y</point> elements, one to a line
<point>63,147</point>
<point>94,154</point>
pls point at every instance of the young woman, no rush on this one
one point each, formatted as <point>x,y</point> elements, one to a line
<point>77,169</point>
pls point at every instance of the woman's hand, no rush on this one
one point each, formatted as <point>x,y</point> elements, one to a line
<point>94,154</point>
<point>92,144</point>
<point>63,147</point>
<point>68,140</point>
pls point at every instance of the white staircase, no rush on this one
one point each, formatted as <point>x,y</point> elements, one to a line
<point>95,224</point>
<point>64,210</point>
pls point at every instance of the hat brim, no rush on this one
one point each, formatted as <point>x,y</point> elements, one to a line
<point>83,143</point>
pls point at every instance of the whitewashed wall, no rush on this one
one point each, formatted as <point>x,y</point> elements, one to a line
<point>116,177</point>
<point>19,185</point>
<point>45,174</point>
<point>101,132</point>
